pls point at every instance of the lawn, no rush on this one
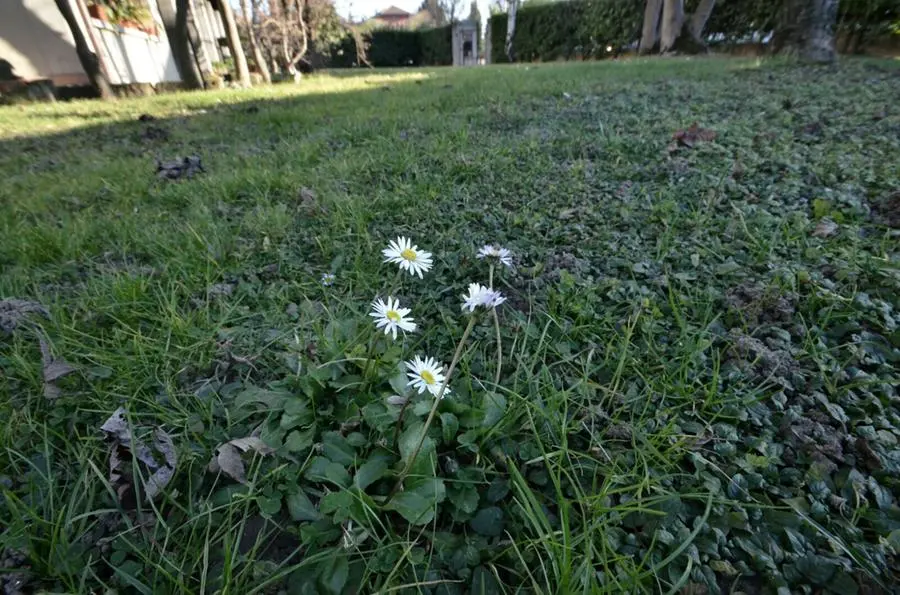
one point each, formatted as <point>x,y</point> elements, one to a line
<point>695,389</point>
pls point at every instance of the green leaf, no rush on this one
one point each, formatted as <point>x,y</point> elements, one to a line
<point>484,582</point>
<point>818,569</point>
<point>494,409</point>
<point>298,440</point>
<point>338,504</point>
<point>301,508</point>
<point>409,439</point>
<point>336,448</point>
<point>370,472</point>
<point>321,469</point>
<point>498,490</point>
<point>417,504</point>
<point>449,427</point>
<point>464,497</point>
<point>398,383</point>
<point>489,522</point>
<point>727,267</point>
<point>269,506</point>
<point>422,408</point>
<point>356,439</point>
<point>333,574</point>
<point>273,400</point>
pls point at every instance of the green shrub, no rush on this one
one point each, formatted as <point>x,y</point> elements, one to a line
<point>436,46</point>
<point>564,30</point>
<point>397,47</point>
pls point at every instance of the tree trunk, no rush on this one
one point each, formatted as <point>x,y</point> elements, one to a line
<point>699,19</point>
<point>672,23</point>
<point>254,44</point>
<point>90,62</point>
<point>290,60</point>
<point>806,30</point>
<point>650,33</point>
<point>234,43</point>
<point>511,29</point>
<point>174,20</point>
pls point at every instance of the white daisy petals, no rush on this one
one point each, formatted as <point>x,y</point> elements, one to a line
<point>328,279</point>
<point>404,253</point>
<point>501,254</point>
<point>479,295</point>
<point>390,316</point>
<point>426,374</point>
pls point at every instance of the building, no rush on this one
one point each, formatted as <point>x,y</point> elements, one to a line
<point>397,18</point>
<point>36,44</point>
<point>393,17</point>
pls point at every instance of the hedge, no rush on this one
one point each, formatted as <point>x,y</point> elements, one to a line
<point>398,47</point>
<point>565,30</point>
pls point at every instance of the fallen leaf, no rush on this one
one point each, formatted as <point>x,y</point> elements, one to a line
<point>691,136</point>
<point>307,195</point>
<point>117,426</point>
<point>161,473</point>
<point>252,443</point>
<point>228,456</point>
<point>54,369</point>
<point>157,482</point>
<point>826,227</point>
<point>186,167</point>
<point>15,311</point>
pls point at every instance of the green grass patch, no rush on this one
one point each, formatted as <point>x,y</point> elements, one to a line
<point>699,349</point>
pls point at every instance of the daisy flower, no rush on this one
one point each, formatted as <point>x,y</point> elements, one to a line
<point>491,251</point>
<point>479,295</point>
<point>408,256</point>
<point>328,279</point>
<point>426,374</point>
<point>391,316</point>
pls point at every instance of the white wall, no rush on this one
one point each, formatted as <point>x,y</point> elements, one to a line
<point>35,39</point>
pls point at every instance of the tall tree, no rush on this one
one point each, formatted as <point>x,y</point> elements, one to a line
<point>175,21</point>
<point>650,30</point>
<point>234,43</point>
<point>451,9</point>
<point>667,24</point>
<point>255,50</point>
<point>90,62</point>
<point>511,11</point>
<point>806,29</point>
<point>672,23</point>
<point>701,16</point>
<point>474,13</point>
<point>436,10</point>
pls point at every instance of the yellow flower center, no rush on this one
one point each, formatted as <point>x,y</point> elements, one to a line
<point>427,376</point>
<point>393,316</point>
<point>408,254</point>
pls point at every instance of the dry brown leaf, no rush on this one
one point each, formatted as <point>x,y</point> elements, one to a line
<point>53,370</point>
<point>186,167</point>
<point>690,136</point>
<point>116,426</point>
<point>825,228</point>
<point>228,456</point>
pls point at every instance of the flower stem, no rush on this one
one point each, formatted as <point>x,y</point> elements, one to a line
<point>499,347</point>
<point>437,400</point>
<point>497,330</point>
